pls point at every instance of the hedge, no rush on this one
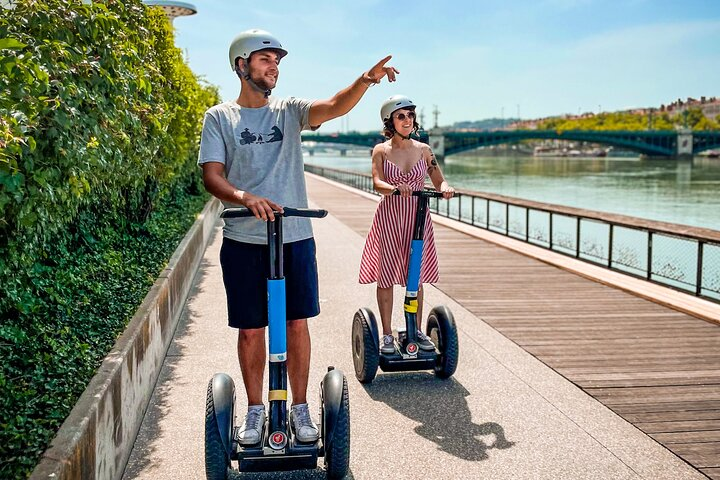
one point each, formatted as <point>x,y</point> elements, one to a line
<point>100,119</point>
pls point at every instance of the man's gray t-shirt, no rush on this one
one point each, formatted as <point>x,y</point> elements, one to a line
<point>260,148</point>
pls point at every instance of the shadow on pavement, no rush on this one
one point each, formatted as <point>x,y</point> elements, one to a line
<point>441,408</point>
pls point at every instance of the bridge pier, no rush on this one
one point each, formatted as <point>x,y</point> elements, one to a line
<point>437,143</point>
<point>684,143</point>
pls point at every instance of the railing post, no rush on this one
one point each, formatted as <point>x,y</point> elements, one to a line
<point>550,227</point>
<point>698,282</point>
<point>507,219</point>
<point>610,246</point>
<point>472,210</point>
<point>527,224</point>
<point>649,255</point>
<point>577,238</point>
<point>487,214</point>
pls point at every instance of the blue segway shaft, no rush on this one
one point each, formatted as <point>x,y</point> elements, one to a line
<point>415,262</point>
<point>411,292</point>
<point>278,355</point>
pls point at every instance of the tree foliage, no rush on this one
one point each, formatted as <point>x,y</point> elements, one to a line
<point>657,120</point>
<point>100,119</point>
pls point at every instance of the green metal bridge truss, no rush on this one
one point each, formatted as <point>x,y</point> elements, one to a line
<point>655,143</point>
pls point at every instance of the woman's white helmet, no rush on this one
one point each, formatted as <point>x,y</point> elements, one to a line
<point>396,102</point>
<point>251,41</point>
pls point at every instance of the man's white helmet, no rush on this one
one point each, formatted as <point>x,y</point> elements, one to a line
<point>396,102</point>
<point>252,41</point>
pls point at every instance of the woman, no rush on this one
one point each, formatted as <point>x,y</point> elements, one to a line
<point>402,164</point>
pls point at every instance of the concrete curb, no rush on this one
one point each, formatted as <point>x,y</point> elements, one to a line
<point>97,437</point>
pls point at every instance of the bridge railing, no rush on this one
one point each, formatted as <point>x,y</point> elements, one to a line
<point>677,256</point>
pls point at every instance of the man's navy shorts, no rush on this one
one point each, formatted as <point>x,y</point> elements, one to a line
<point>246,268</point>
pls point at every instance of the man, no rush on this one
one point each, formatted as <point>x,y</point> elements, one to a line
<point>250,155</point>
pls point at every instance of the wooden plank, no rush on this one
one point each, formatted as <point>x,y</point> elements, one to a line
<point>672,416</point>
<point>700,455</point>
<point>619,396</point>
<point>701,436</point>
<point>660,406</point>
<point>679,426</point>
<point>712,473</point>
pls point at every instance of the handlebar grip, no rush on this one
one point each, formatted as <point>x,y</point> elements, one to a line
<point>240,212</point>
<point>304,212</point>
<point>235,213</point>
<point>422,193</point>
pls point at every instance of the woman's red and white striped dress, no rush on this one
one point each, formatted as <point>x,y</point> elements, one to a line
<point>387,247</point>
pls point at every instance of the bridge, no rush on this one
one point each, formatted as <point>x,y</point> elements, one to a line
<point>656,143</point>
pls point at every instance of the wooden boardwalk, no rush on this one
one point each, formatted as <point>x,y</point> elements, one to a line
<point>656,367</point>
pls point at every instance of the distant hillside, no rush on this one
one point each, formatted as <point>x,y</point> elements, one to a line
<point>486,124</point>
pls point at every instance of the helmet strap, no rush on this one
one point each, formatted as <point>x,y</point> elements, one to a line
<point>240,73</point>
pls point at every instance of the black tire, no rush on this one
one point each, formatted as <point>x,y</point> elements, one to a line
<point>217,461</point>
<point>366,355</point>
<point>337,454</point>
<point>443,332</point>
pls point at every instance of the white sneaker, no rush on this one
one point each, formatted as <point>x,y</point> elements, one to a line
<point>251,430</point>
<point>387,345</point>
<point>305,428</point>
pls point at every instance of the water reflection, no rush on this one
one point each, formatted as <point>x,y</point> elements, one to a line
<point>683,192</point>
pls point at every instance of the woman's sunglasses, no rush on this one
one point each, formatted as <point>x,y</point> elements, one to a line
<point>402,116</point>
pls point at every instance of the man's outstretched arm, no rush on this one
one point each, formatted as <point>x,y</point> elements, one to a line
<point>342,102</point>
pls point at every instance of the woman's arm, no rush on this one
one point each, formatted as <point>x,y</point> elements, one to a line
<point>436,176</point>
<point>378,173</point>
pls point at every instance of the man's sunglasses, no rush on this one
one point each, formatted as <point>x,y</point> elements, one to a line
<point>401,116</point>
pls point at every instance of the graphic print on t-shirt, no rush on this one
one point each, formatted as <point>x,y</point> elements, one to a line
<point>247,137</point>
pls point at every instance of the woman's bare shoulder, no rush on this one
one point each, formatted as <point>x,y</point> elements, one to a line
<point>423,147</point>
<point>380,148</point>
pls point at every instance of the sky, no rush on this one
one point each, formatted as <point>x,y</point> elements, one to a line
<point>472,59</point>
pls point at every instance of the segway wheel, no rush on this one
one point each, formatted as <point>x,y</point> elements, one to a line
<point>217,460</point>
<point>337,455</point>
<point>366,354</point>
<point>443,332</point>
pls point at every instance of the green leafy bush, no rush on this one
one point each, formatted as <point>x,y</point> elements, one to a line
<point>99,125</point>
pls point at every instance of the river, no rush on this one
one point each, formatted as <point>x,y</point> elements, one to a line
<point>684,192</point>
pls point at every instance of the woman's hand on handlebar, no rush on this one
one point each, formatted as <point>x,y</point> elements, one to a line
<point>261,207</point>
<point>404,189</point>
<point>447,190</point>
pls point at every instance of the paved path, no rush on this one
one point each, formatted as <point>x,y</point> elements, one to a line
<point>503,415</point>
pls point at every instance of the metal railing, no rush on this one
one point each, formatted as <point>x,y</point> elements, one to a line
<point>676,256</point>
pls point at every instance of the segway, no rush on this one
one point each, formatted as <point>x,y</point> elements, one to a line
<point>279,448</point>
<point>440,323</point>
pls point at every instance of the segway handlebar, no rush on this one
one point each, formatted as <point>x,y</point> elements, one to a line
<point>287,212</point>
<point>422,193</point>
